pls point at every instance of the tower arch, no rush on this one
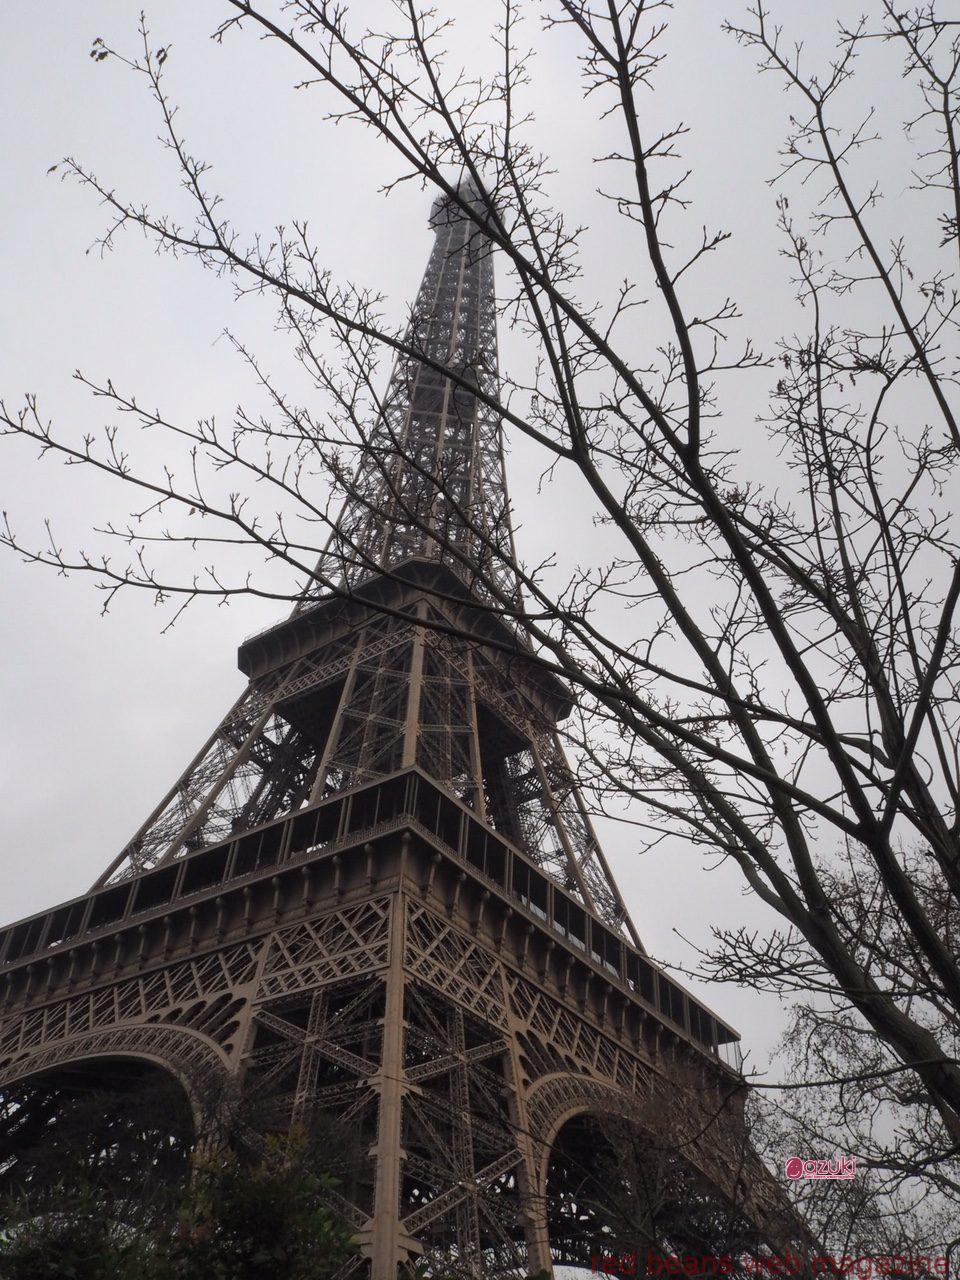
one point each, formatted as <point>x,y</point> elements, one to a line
<point>194,1060</point>
<point>118,1125</point>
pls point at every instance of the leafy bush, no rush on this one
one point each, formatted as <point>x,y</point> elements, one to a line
<point>74,1237</point>
<point>239,1219</point>
<point>261,1222</point>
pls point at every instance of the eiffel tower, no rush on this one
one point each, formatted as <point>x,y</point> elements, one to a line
<point>375,897</point>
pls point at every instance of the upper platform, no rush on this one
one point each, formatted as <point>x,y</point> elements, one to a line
<point>318,624</point>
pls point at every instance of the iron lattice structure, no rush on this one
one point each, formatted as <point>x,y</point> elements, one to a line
<point>429,500</point>
<point>375,898</point>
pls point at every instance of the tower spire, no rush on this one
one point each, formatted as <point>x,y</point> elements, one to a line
<point>431,481</point>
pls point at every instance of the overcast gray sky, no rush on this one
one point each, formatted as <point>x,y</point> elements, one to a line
<point>99,715</point>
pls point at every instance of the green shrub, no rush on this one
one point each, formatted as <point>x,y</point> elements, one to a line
<point>72,1237</point>
<point>261,1219</point>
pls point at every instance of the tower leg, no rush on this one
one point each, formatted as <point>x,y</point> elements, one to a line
<point>535,1219</point>
<point>386,1245</point>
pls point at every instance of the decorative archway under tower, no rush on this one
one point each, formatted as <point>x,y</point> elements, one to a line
<point>622,1197</point>
<point>119,1125</point>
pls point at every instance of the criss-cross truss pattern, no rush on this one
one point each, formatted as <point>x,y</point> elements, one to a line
<point>342,694</point>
